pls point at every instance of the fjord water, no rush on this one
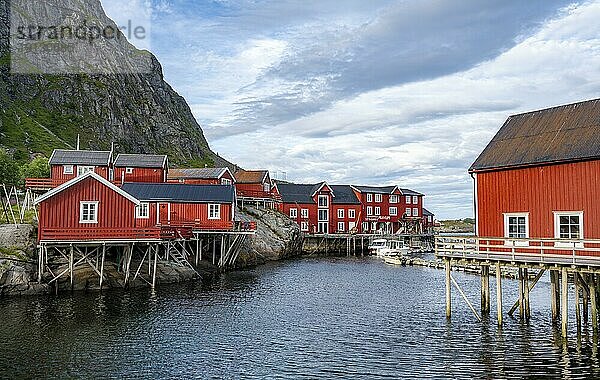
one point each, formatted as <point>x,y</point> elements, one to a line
<point>311,318</point>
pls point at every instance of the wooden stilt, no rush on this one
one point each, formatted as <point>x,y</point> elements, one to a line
<point>448,290</point>
<point>577,300</point>
<point>564,302</point>
<point>499,293</point>
<point>40,263</point>
<point>554,294</point>
<point>586,297</point>
<point>521,295</point>
<point>485,289</point>
<point>71,265</point>
<point>593,303</point>
<point>214,251</point>
<point>154,269</point>
<point>102,265</point>
<point>197,250</point>
<point>526,294</point>
<point>464,296</point>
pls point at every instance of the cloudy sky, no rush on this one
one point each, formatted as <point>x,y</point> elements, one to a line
<point>372,92</point>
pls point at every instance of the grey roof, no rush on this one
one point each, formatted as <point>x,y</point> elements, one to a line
<point>376,189</point>
<point>141,161</point>
<point>410,192</point>
<point>295,193</point>
<point>344,195</point>
<point>180,193</point>
<point>560,134</point>
<point>200,173</point>
<point>80,157</point>
<point>427,212</point>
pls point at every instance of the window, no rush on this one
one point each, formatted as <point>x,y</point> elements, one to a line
<point>142,211</point>
<point>267,187</point>
<point>81,170</point>
<point>341,226</point>
<point>293,213</point>
<point>323,215</point>
<point>128,170</point>
<point>415,211</point>
<point>88,212</point>
<point>516,226</point>
<point>393,211</point>
<point>214,211</point>
<point>351,214</point>
<point>408,211</point>
<point>378,198</point>
<point>408,198</point>
<point>225,181</point>
<point>369,210</point>
<point>374,226</point>
<point>415,200</point>
<point>304,226</point>
<point>568,225</point>
<point>369,197</point>
<point>365,226</point>
<point>393,199</point>
<point>67,169</point>
<point>340,213</point>
<point>351,226</point>
<point>304,213</point>
<point>377,210</point>
<point>430,219</point>
<point>323,201</point>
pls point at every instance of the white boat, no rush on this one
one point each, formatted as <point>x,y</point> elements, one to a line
<point>387,248</point>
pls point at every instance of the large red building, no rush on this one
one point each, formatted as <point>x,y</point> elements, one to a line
<point>140,168</point>
<point>538,177</point>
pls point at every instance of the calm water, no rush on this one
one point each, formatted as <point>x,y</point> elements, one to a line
<point>313,318</point>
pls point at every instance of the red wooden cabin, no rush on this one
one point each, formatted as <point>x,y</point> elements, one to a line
<point>141,168</point>
<point>539,177</point>
<point>428,221</point>
<point>202,176</point>
<point>253,183</point>
<point>321,208</point>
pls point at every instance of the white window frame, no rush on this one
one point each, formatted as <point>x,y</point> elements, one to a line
<point>341,226</point>
<point>139,214</point>
<point>408,198</point>
<point>304,213</point>
<point>377,211</point>
<point>225,181</point>
<point>293,213</point>
<point>415,211</point>
<point>351,226</point>
<point>214,211</point>
<point>393,198</point>
<point>565,243</point>
<point>81,170</point>
<point>67,169</point>
<point>393,211</point>
<point>415,200</point>
<point>128,170</point>
<point>516,243</point>
<point>365,226</point>
<point>374,226</point>
<point>324,211</point>
<point>266,187</point>
<point>304,226</point>
<point>369,197</point>
<point>82,204</point>
<point>351,213</point>
<point>378,198</point>
<point>340,213</point>
<point>369,210</point>
<point>323,197</point>
<point>408,211</point>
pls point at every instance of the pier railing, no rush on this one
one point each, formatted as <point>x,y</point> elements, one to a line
<point>530,251</point>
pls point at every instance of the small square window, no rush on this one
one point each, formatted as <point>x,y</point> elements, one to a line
<point>68,169</point>
<point>142,211</point>
<point>351,214</point>
<point>214,211</point>
<point>293,213</point>
<point>340,213</point>
<point>128,170</point>
<point>88,212</point>
<point>408,211</point>
<point>304,213</point>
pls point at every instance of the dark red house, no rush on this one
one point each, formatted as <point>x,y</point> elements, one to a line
<point>202,176</point>
<point>539,176</point>
<point>141,168</point>
<point>253,183</point>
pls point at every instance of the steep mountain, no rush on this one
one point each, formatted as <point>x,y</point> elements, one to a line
<point>130,105</point>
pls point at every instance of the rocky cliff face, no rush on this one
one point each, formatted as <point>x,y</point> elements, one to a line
<point>132,106</point>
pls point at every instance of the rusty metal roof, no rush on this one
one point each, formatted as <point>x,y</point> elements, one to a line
<point>559,134</point>
<point>251,176</point>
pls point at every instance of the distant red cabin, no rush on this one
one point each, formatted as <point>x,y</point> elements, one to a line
<point>253,183</point>
<point>202,176</point>
<point>539,176</point>
<point>141,168</point>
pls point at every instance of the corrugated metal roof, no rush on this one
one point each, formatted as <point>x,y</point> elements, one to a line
<point>559,134</point>
<point>80,157</point>
<point>376,189</point>
<point>250,176</point>
<point>295,193</point>
<point>181,193</point>
<point>410,192</point>
<point>200,173</point>
<point>344,195</point>
<point>141,161</point>
<point>427,212</point>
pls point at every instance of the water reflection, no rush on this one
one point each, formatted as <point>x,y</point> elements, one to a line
<point>315,318</point>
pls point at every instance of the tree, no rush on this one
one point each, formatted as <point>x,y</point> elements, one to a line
<point>38,168</point>
<point>9,170</point>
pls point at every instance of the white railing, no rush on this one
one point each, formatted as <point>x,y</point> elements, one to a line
<point>541,251</point>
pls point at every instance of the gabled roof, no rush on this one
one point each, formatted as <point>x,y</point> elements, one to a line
<point>376,189</point>
<point>318,187</point>
<point>251,176</point>
<point>80,157</point>
<point>199,173</point>
<point>560,134</point>
<point>76,180</point>
<point>297,193</point>
<point>410,192</point>
<point>427,212</point>
<point>344,195</point>
<point>181,193</point>
<point>141,161</point>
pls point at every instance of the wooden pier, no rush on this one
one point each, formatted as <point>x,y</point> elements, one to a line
<point>357,244</point>
<point>563,260</point>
